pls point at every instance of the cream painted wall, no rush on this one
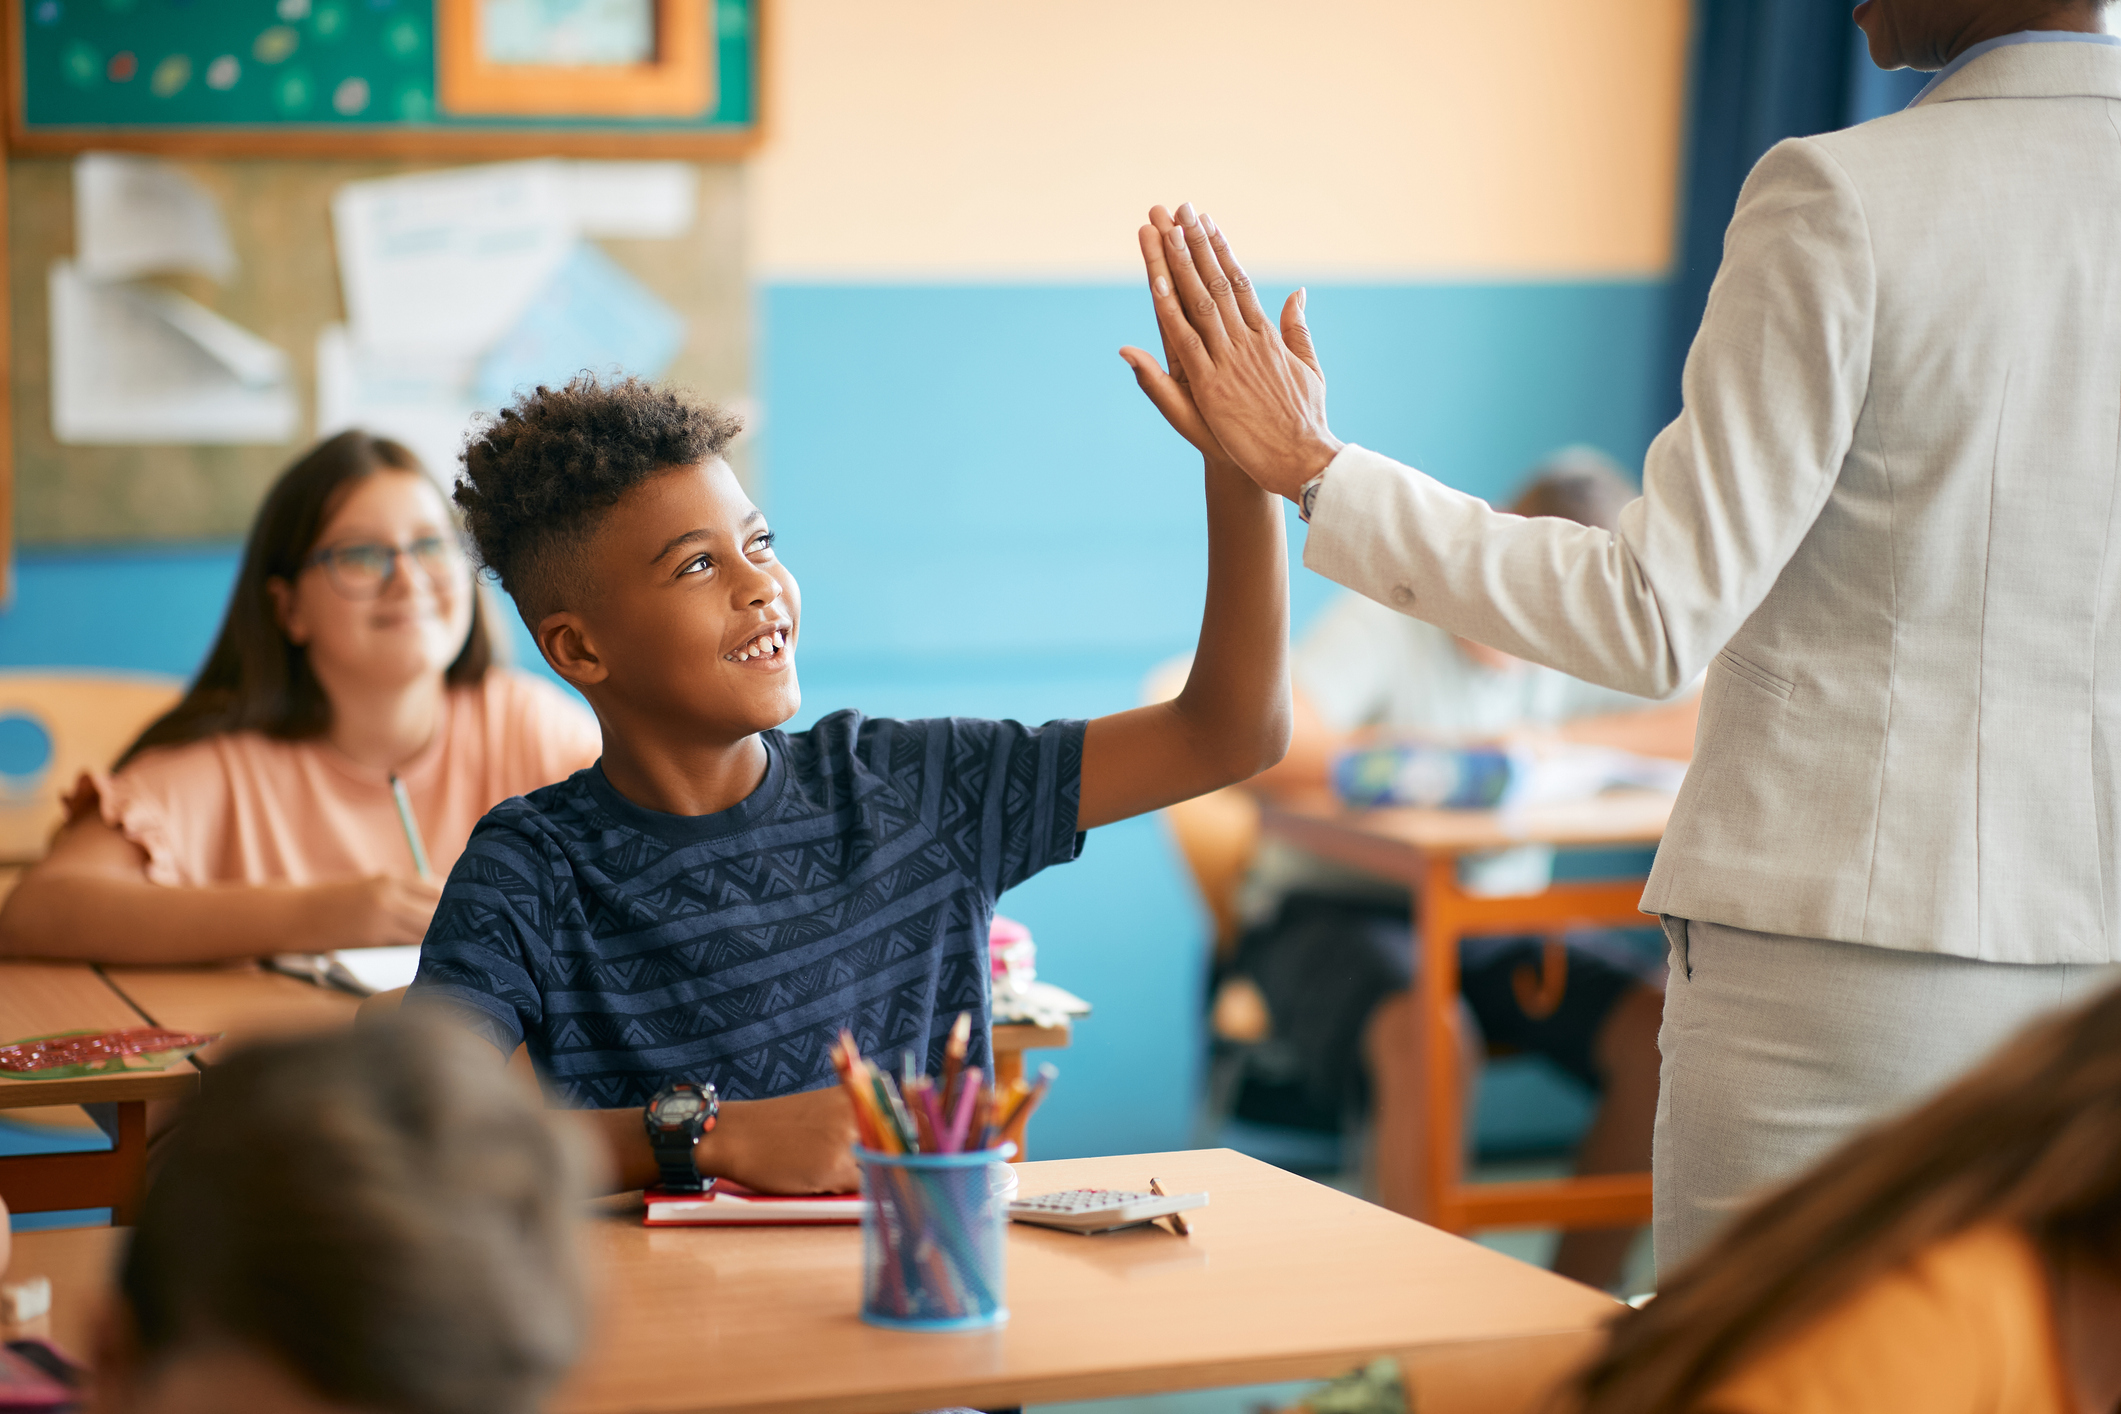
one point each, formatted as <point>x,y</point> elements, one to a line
<point>1392,139</point>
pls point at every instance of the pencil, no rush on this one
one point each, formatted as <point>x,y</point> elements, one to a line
<point>412,829</point>
<point>1178,1224</point>
<point>954,1054</point>
<point>961,1121</point>
<point>1013,1131</point>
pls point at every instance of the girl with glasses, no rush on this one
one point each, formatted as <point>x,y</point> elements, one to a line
<point>257,815</point>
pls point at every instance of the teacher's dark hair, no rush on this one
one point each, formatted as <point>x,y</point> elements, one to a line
<point>2032,1138</point>
<point>386,1211</point>
<point>255,679</point>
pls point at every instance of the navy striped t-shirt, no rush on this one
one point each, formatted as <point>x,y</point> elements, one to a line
<point>854,888</point>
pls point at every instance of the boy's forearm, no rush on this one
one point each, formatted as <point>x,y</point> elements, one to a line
<point>1236,699</point>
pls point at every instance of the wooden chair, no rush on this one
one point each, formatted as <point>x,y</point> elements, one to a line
<point>55,725</point>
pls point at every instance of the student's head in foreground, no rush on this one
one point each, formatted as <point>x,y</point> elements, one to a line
<point>646,575</point>
<point>2030,1140</point>
<point>377,1220</point>
<point>353,582</point>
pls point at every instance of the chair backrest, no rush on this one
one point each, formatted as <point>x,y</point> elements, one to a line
<point>1217,834</point>
<point>54,726</point>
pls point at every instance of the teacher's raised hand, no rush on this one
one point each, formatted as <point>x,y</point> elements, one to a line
<point>1253,392</point>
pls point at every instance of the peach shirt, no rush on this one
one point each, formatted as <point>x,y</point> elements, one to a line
<point>242,808</point>
<point>1967,1326</point>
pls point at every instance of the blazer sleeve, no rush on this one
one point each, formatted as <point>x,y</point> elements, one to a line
<point>1772,388</point>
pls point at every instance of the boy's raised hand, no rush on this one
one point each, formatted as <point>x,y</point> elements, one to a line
<point>1168,390</point>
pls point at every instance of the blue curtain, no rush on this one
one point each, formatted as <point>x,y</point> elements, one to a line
<point>1763,70</point>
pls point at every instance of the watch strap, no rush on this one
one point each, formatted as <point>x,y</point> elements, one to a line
<point>1308,496</point>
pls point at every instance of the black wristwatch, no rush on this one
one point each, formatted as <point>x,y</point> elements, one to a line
<point>677,1119</point>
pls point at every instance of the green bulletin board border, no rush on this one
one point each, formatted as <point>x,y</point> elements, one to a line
<point>397,34</point>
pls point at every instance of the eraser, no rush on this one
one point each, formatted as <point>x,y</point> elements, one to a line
<point>25,1300</point>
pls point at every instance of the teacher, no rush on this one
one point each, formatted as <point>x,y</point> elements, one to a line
<point>1886,524</point>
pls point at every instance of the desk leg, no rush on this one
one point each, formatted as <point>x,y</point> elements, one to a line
<point>45,1183</point>
<point>1443,1165</point>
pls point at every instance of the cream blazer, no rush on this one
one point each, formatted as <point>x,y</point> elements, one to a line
<point>1885,523</point>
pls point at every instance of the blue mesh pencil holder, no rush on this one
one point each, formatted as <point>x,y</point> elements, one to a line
<point>933,1239</point>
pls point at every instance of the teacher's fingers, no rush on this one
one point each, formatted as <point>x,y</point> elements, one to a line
<point>1159,271</point>
<point>1296,335</point>
<point>1194,297</point>
<point>1240,283</point>
<point>1211,273</point>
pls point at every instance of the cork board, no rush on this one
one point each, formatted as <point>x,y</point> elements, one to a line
<point>285,289</point>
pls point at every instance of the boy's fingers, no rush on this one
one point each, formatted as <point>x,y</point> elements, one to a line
<point>1196,304</point>
<point>1240,283</point>
<point>1216,284</point>
<point>1183,346</point>
<point>1169,397</point>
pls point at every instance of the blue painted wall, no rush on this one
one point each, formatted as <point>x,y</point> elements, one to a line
<point>987,519</point>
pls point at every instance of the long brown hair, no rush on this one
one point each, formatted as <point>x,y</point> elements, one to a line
<point>384,1210</point>
<point>255,679</point>
<point>2031,1138</point>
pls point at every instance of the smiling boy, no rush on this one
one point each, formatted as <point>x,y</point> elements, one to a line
<point>716,897</point>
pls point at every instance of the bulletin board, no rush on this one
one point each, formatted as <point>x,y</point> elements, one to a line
<point>327,78</point>
<point>273,105</point>
<point>285,288</point>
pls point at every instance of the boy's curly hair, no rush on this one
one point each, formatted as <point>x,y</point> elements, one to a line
<point>540,476</point>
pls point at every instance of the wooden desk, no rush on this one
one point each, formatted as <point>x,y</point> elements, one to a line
<point>1282,1279</point>
<point>37,999</point>
<point>242,999</point>
<point>1422,848</point>
<point>250,1003</point>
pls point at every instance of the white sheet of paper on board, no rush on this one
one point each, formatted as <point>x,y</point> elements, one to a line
<point>142,216</point>
<point>133,364</point>
<point>444,263</point>
<point>423,402</point>
<point>632,200</point>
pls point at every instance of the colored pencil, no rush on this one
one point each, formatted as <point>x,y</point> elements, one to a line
<point>961,1121</point>
<point>954,1051</point>
<point>411,827</point>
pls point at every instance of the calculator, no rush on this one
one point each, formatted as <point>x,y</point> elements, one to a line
<point>1101,1209</point>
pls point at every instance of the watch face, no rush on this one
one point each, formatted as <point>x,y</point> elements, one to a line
<point>676,1109</point>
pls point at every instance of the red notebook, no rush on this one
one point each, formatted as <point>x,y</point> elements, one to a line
<point>729,1204</point>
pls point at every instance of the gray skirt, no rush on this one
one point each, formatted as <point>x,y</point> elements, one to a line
<point>1776,1049</point>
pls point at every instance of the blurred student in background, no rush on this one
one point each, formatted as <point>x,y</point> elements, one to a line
<point>1964,1258</point>
<point>375,1219</point>
<point>256,816</point>
<point>1329,951</point>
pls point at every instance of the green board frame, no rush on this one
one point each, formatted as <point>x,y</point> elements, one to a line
<point>315,78</point>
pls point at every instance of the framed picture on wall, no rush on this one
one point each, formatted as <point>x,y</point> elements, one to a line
<point>442,79</point>
<point>574,58</point>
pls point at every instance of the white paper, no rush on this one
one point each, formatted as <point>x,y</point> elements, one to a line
<point>132,365</point>
<point>1556,774</point>
<point>378,969</point>
<point>637,200</point>
<point>140,216</point>
<point>444,263</point>
<point>423,402</point>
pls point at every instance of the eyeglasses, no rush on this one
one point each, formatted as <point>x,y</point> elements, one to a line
<point>362,570</point>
